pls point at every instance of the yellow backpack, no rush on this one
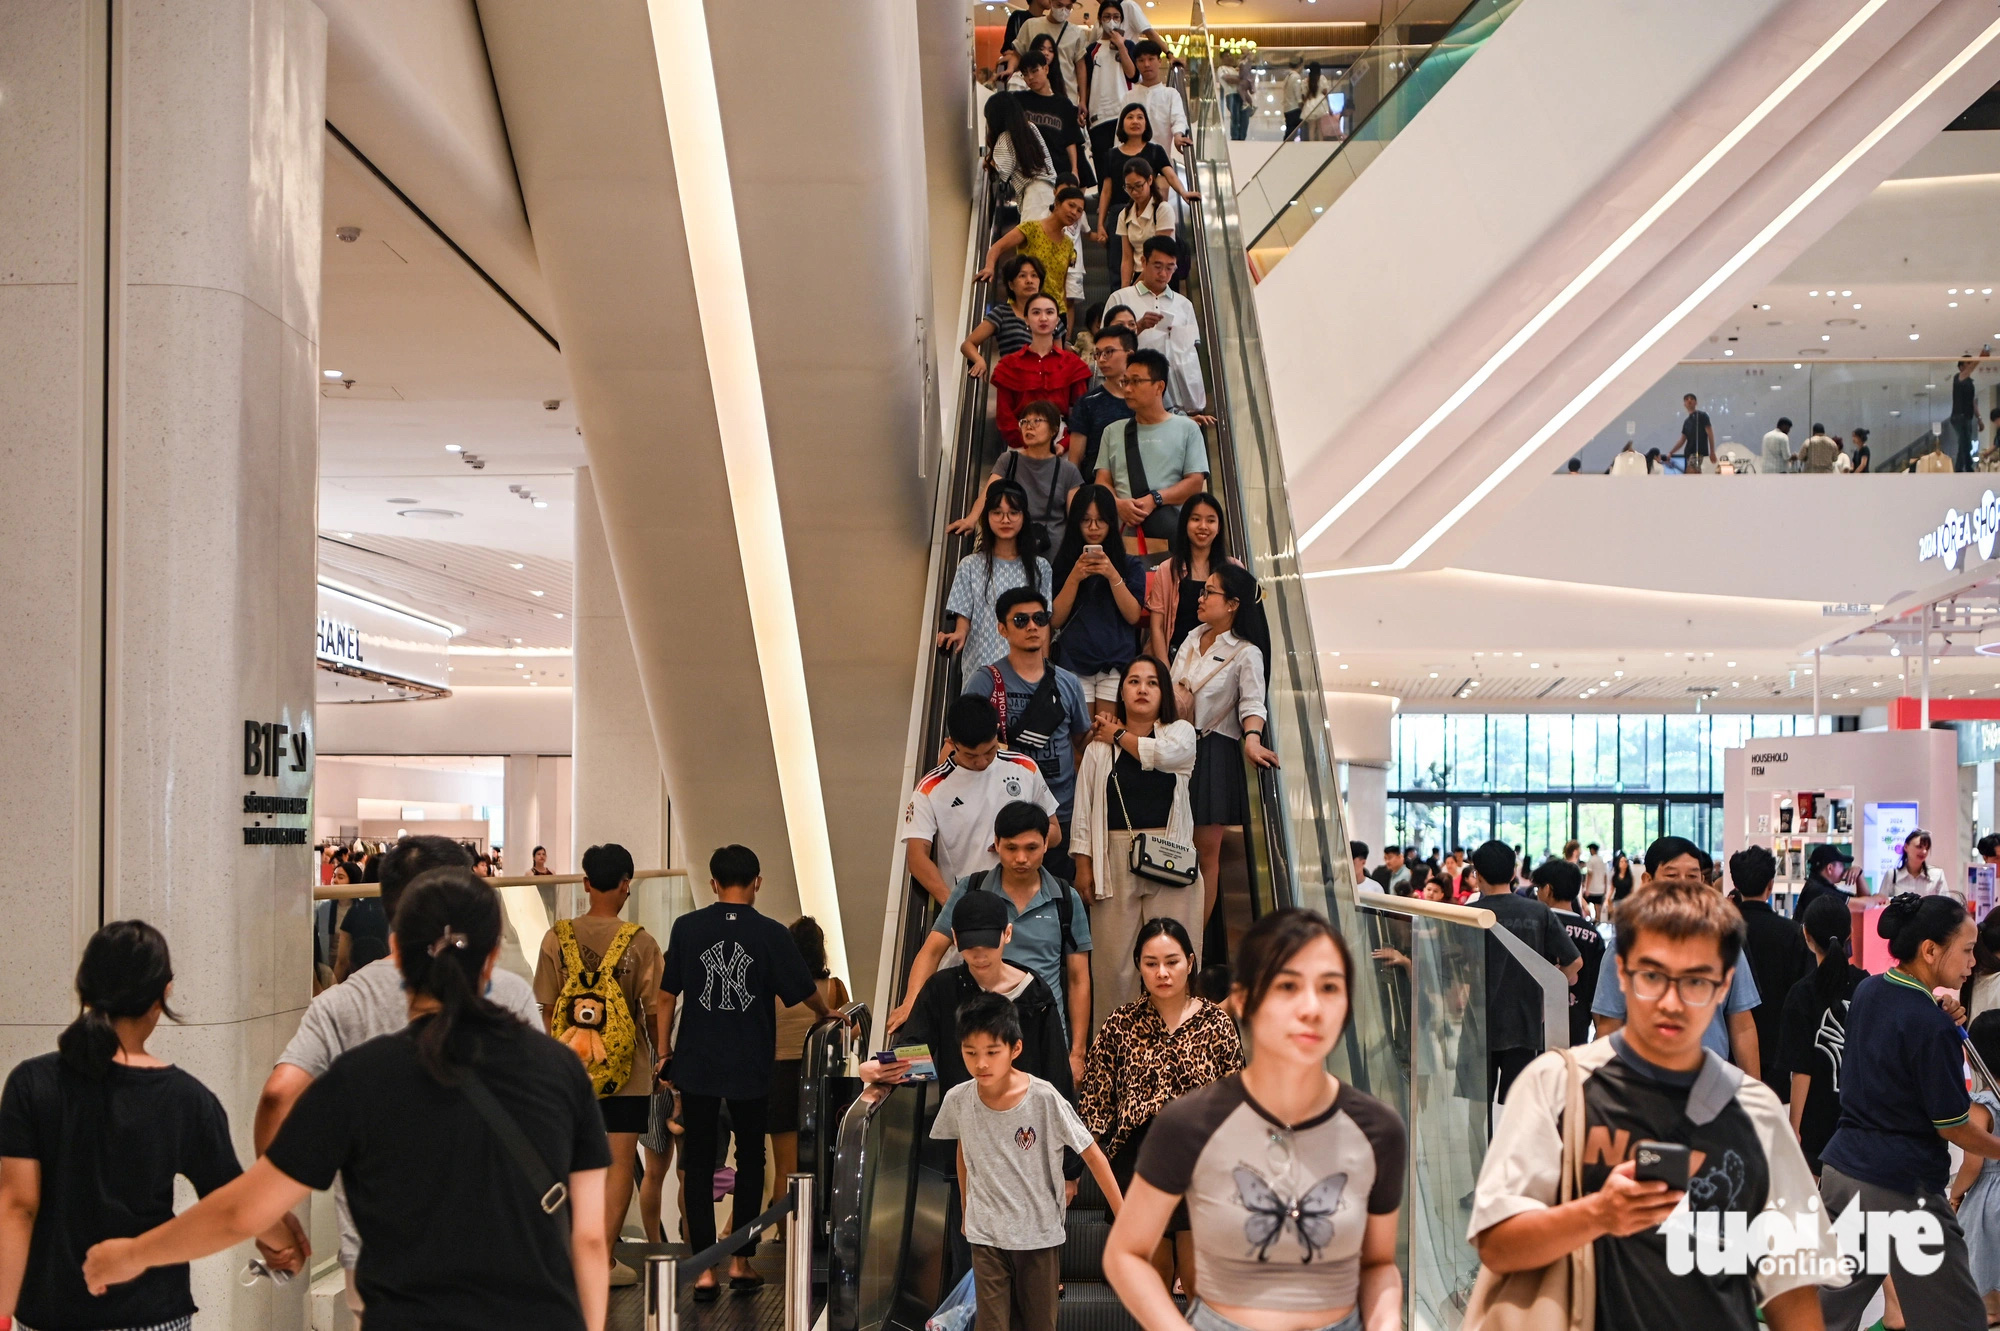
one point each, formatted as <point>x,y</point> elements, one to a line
<point>591,1015</point>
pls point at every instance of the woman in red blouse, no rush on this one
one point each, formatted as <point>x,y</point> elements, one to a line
<point>1148,1053</point>
<point>1045,370</point>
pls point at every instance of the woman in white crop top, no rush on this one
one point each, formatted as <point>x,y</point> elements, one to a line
<point>1292,1179</point>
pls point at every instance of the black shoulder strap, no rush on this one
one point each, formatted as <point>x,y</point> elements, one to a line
<point>1135,466</point>
<point>552,1192</point>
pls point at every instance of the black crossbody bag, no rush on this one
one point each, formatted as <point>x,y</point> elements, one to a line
<point>551,1193</point>
<point>1163,521</point>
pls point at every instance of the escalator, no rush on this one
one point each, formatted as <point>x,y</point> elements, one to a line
<point>889,1264</point>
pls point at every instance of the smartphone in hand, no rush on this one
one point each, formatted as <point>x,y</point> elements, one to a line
<point>1662,1162</point>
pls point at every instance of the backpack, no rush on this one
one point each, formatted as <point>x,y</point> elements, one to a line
<point>591,1015</point>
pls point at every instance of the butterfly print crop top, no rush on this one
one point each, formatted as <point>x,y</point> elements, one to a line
<point>1278,1214</point>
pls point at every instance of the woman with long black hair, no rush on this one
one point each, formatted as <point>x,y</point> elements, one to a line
<point>1009,556</point>
<point>1006,321</point>
<point>1903,1103</point>
<point>1812,1032</point>
<point>91,1138</point>
<point>1219,679</point>
<point>1099,587</point>
<point>1019,155</point>
<point>1200,545</point>
<point>464,1116</point>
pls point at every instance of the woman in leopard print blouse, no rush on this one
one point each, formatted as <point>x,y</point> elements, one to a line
<point>1148,1053</point>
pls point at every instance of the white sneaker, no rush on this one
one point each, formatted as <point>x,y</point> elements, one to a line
<point>622,1275</point>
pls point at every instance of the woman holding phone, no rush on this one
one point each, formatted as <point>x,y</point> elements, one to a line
<point>1097,606</point>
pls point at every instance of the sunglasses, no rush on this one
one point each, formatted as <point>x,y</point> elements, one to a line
<point>1040,619</point>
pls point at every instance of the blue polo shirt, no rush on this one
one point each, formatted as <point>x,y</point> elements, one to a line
<point>1609,1000</point>
<point>1037,944</point>
<point>1902,1078</point>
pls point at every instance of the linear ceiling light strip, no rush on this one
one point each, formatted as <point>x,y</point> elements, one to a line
<point>1631,235</point>
<point>708,212</point>
<point>1701,293</point>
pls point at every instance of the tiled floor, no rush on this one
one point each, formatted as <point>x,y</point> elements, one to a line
<point>763,1310</point>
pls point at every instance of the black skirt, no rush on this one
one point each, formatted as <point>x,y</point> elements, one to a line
<point>1218,792</point>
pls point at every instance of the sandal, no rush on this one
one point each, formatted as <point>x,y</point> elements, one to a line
<point>707,1293</point>
<point>744,1284</point>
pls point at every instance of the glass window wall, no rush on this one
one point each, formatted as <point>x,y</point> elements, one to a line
<point>1537,780</point>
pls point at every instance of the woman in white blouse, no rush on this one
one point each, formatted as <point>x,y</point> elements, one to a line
<point>1144,217</point>
<point>1133,777</point>
<point>1219,677</point>
<point>1916,873</point>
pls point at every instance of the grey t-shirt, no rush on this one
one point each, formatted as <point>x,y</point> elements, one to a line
<point>369,1003</point>
<point>1013,1163</point>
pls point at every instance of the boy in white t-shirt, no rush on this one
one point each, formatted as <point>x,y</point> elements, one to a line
<point>948,823</point>
<point>1011,1128</point>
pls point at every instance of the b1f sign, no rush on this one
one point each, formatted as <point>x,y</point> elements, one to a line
<point>1959,530</point>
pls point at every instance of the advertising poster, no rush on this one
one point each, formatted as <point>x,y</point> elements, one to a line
<point>1883,827</point>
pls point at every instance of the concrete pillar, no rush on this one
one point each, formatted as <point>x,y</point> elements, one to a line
<point>620,794</point>
<point>1362,738</point>
<point>160,182</point>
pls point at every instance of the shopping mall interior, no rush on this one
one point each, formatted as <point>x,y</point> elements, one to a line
<point>583,382</point>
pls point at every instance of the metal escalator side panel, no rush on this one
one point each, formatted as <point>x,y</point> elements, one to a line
<point>1298,816</point>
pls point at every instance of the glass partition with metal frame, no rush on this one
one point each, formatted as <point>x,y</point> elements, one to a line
<point>1282,211</point>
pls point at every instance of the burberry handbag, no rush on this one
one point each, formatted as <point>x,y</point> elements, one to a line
<point>1153,857</point>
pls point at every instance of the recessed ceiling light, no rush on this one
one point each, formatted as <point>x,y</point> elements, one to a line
<point>1913,337</point>
<point>428,514</point>
<point>1374,683</point>
<point>330,374</point>
<point>1797,365</point>
<point>1857,304</point>
<point>520,665</point>
<point>1618,674</point>
<point>1847,293</point>
<point>1343,665</point>
<point>1986,291</point>
<point>535,593</point>
<point>454,448</point>
<point>1812,293</point>
<point>1728,353</point>
<point>1434,674</point>
<point>541,503</point>
<point>517,566</point>
<point>559,614</point>
<point>1534,665</point>
<point>1826,337</point>
<point>1732,665</point>
<point>1952,291</point>
<point>1951,304</point>
<point>346,535</point>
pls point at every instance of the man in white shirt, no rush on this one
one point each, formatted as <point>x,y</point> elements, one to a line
<point>1596,878</point>
<point>1291,97</point>
<point>1165,109</point>
<point>1166,321</point>
<point>948,823</point>
<point>1777,448</point>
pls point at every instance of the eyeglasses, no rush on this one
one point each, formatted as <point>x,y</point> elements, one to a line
<point>1040,619</point>
<point>1650,986</point>
<point>1134,380</point>
<point>1207,590</point>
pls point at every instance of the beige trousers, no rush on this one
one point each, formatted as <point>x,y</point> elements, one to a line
<point>1114,976</point>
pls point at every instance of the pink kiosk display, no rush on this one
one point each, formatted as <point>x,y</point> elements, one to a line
<point>1861,790</point>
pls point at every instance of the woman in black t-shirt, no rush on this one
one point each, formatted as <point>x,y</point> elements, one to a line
<point>1133,777</point>
<point>447,1194</point>
<point>1813,1030</point>
<point>91,1138</point>
<point>1135,139</point>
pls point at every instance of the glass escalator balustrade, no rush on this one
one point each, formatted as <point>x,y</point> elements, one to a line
<point>1386,86</point>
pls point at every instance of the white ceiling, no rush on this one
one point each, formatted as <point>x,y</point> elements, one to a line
<point>431,355</point>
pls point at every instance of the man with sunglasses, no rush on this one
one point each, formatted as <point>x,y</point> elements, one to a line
<point>1679,942</point>
<point>1042,708</point>
<point>1733,1034</point>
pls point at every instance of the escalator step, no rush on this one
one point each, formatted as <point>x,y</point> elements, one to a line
<point>1089,1197</point>
<point>1089,1306</point>
<point>1083,1250</point>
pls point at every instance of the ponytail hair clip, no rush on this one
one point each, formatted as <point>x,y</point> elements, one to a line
<point>449,938</point>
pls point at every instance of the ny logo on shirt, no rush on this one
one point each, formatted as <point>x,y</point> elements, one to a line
<point>733,969</point>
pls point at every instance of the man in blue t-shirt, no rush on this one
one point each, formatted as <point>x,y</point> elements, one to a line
<point>1053,736</point>
<point>1673,859</point>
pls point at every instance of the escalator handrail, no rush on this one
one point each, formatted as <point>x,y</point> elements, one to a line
<point>827,1048</point>
<point>853,1167</point>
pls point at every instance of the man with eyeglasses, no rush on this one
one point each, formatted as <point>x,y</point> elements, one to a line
<point>1171,455</point>
<point>1679,944</point>
<point>1166,321</point>
<point>1514,1031</point>
<point>1733,1035</point>
<point>1042,709</point>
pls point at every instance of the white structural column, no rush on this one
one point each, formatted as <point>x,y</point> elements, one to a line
<point>620,793</point>
<point>160,180</point>
<point>1362,735</point>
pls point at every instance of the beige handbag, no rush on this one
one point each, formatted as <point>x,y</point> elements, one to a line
<point>1561,1296</point>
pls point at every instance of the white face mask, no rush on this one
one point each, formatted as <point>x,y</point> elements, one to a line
<point>1060,13</point>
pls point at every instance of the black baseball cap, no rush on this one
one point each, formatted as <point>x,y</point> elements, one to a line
<point>1826,853</point>
<point>978,920</point>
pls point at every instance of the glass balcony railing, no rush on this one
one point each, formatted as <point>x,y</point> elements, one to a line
<point>1904,406</point>
<point>1384,89</point>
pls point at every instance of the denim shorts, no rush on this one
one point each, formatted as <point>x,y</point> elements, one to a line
<point>1204,1318</point>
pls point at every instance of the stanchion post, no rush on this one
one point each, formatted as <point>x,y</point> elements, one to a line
<point>661,1293</point>
<point>799,1255</point>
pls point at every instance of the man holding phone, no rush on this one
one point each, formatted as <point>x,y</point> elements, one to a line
<point>1653,1095</point>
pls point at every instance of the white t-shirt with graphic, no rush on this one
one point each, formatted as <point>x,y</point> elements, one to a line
<point>953,809</point>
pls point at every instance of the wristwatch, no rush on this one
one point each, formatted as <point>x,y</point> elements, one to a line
<point>1118,735</point>
<point>1158,502</point>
